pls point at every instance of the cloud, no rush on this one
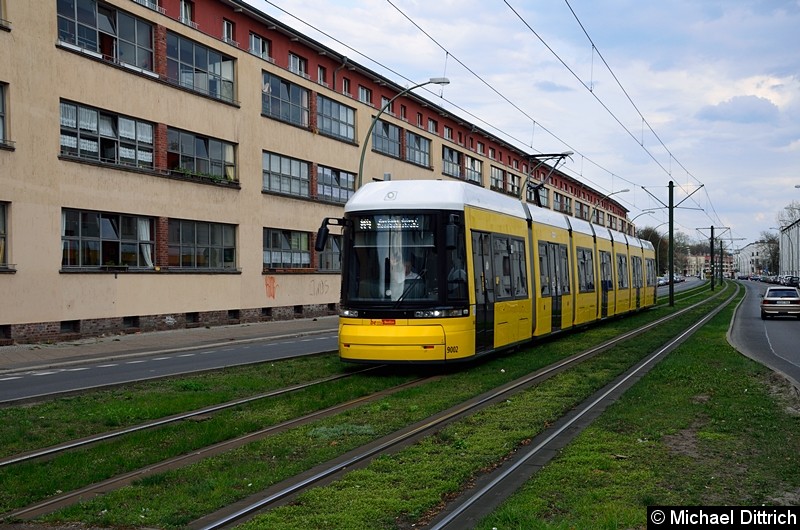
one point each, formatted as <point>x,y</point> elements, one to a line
<point>549,86</point>
<point>741,109</point>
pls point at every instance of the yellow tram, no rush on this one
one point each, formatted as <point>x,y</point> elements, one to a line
<point>441,271</point>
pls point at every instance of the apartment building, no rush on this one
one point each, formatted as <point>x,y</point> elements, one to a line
<point>166,163</point>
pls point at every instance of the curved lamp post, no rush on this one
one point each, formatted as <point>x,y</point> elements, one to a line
<point>648,212</point>
<point>431,81</point>
<point>591,215</point>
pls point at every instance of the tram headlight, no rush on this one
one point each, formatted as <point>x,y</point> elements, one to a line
<point>441,313</point>
<point>349,313</point>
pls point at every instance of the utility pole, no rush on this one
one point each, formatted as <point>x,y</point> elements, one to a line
<point>671,247</point>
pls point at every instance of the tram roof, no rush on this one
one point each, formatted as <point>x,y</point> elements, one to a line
<point>431,195</point>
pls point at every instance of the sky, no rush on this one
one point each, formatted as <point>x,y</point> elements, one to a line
<point>701,93</point>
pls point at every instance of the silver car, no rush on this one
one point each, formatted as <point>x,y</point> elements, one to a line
<point>780,301</point>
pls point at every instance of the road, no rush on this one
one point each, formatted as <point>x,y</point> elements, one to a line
<point>124,367</point>
<point>772,342</point>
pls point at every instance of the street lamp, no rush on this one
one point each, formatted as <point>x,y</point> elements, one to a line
<point>431,81</point>
<point>641,214</point>
<point>594,211</point>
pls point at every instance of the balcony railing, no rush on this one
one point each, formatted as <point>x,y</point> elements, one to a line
<point>151,4</point>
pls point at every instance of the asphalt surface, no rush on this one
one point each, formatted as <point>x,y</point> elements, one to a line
<point>114,347</point>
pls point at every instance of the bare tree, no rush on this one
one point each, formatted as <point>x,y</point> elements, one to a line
<point>770,240</point>
<point>789,214</point>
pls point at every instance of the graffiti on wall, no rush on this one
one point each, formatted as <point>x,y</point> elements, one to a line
<point>318,287</point>
<point>315,287</point>
<point>271,286</point>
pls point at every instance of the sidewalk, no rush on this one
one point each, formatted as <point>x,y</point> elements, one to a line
<point>37,356</point>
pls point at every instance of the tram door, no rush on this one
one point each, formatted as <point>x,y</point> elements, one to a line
<point>484,291</point>
<point>606,281</point>
<point>554,265</point>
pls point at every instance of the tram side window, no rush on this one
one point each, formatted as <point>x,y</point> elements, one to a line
<point>502,266</point>
<point>519,268</point>
<point>605,271</point>
<point>563,269</point>
<point>544,269</point>
<point>651,271</point>
<point>585,270</point>
<point>457,273</point>
<point>636,266</point>
<point>622,271</point>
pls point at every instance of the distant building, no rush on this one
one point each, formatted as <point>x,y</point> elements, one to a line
<point>166,163</point>
<point>789,248</point>
<point>752,259</point>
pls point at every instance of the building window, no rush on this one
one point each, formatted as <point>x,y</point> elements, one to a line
<point>201,245</point>
<point>335,185</point>
<point>100,28</point>
<point>544,197</point>
<point>581,210</point>
<point>187,13</point>
<point>283,100</point>
<point>418,149</point>
<point>260,46</point>
<point>433,126</point>
<point>448,133</point>
<point>403,113</point>
<point>345,86</point>
<point>3,139</point>
<point>497,178</point>
<point>3,235</point>
<point>480,148</point>
<point>281,174</point>
<point>387,104</point>
<point>386,139</point>
<point>198,68</point>
<point>419,120</point>
<point>322,76</point>
<point>330,259</point>
<point>512,183</point>
<point>96,239</point>
<point>365,95</point>
<point>451,162</point>
<point>98,135</point>
<point>196,155</point>
<point>229,32</point>
<point>474,170</point>
<point>335,119</point>
<point>298,65</point>
<point>286,249</point>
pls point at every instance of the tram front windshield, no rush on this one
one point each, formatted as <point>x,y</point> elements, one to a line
<point>395,259</point>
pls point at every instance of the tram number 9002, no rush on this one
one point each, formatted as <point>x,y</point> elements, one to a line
<point>452,349</point>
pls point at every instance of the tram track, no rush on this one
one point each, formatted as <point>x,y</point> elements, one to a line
<point>497,486</point>
<point>290,489</point>
<point>325,473</point>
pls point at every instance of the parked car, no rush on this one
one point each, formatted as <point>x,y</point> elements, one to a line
<point>780,301</point>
